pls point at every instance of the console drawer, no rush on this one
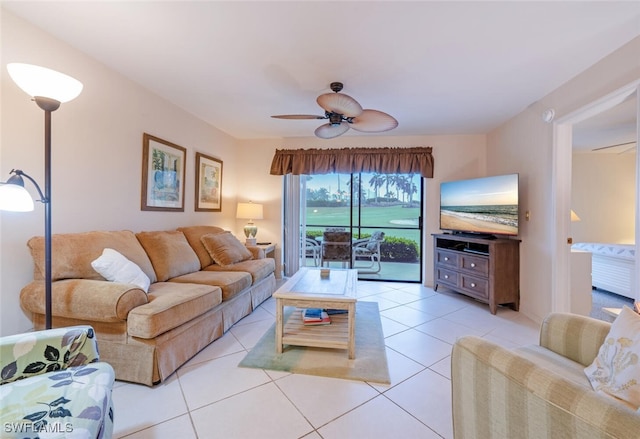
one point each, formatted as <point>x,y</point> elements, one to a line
<point>477,287</point>
<point>475,264</point>
<point>446,277</point>
<point>447,258</point>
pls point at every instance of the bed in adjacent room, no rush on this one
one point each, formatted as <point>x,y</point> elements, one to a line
<point>612,266</point>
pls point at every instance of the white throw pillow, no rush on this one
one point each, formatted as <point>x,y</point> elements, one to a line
<point>615,370</point>
<point>114,267</point>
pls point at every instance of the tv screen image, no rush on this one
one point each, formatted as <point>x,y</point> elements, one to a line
<point>487,205</point>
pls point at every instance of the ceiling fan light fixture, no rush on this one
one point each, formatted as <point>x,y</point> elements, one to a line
<point>374,121</point>
<point>339,103</point>
<point>329,131</point>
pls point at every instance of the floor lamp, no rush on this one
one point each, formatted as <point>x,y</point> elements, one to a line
<point>48,89</point>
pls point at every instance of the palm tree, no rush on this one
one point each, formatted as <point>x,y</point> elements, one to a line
<point>376,181</point>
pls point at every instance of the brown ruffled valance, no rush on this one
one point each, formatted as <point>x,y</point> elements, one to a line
<point>416,160</point>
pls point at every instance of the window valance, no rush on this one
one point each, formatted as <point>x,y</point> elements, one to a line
<point>417,160</point>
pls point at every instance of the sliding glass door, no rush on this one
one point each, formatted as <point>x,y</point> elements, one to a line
<point>381,211</point>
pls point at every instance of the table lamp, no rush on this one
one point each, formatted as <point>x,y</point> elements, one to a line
<point>250,211</point>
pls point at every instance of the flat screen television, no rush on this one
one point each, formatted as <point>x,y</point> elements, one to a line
<point>486,206</point>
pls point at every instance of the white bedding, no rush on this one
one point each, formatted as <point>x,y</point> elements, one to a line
<point>612,266</point>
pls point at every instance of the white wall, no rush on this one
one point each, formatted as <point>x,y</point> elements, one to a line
<point>525,143</point>
<point>455,157</point>
<point>603,195</point>
<point>97,156</point>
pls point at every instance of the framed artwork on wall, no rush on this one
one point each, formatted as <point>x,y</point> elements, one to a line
<point>163,173</point>
<point>208,184</point>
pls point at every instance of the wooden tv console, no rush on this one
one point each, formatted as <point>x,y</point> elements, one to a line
<point>486,269</point>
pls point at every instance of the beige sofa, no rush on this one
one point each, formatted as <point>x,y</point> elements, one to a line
<point>191,302</point>
<point>538,391</point>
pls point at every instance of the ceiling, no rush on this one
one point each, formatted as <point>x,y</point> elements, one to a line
<point>437,67</point>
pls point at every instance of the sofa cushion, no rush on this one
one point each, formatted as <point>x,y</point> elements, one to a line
<point>114,267</point>
<point>230,282</point>
<point>615,370</point>
<point>257,268</point>
<point>170,253</point>
<point>193,235</point>
<point>170,305</point>
<point>72,253</point>
<point>225,249</point>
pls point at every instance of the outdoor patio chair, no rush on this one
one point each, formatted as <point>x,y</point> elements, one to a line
<point>368,249</point>
<point>313,250</point>
<point>336,247</point>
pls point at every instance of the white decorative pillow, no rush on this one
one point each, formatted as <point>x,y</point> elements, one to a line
<point>114,267</point>
<point>615,370</point>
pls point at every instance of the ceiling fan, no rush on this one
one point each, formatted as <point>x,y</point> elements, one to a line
<point>633,143</point>
<point>343,113</point>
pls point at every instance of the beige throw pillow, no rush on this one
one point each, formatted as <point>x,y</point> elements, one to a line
<point>615,369</point>
<point>225,249</point>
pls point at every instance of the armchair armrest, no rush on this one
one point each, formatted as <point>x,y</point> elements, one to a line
<point>573,336</point>
<point>84,299</point>
<point>497,393</point>
<point>35,353</point>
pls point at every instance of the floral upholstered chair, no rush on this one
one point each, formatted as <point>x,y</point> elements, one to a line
<point>368,249</point>
<point>336,246</point>
<point>52,385</point>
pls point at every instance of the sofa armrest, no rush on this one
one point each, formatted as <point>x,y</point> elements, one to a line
<point>35,353</point>
<point>573,336</point>
<point>256,252</point>
<point>84,299</point>
<point>496,393</point>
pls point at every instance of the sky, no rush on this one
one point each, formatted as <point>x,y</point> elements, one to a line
<point>501,189</point>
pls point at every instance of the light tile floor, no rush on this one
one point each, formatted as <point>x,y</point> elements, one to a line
<point>210,397</point>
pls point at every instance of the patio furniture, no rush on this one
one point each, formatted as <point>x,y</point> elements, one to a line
<point>313,250</point>
<point>368,249</point>
<point>336,247</point>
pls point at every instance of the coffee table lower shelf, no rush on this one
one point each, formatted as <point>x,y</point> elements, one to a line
<point>334,335</point>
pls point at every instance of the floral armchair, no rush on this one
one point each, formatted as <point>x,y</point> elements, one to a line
<point>368,249</point>
<point>52,385</point>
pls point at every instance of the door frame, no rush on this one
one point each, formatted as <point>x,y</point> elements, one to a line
<point>561,191</point>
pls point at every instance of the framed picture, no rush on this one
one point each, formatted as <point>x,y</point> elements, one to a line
<point>208,184</point>
<point>163,172</point>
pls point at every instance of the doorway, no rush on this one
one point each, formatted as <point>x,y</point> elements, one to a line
<point>562,176</point>
<point>367,206</point>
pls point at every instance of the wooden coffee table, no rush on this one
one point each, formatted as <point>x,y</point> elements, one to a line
<point>306,289</point>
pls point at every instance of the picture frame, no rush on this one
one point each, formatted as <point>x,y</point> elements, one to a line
<point>208,196</point>
<point>163,175</point>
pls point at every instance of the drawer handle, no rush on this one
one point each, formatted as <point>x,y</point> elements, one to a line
<point>473,284</point>
<point>446,276</point>
<point>446,258</point>
<point>473,265</point>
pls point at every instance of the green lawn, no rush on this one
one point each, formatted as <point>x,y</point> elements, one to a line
<point>372,218</point>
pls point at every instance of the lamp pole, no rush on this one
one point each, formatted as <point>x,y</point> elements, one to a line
<point>48,89</point>
<point>48,105</point>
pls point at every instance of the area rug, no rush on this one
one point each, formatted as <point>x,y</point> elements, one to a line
<point>369,365</point>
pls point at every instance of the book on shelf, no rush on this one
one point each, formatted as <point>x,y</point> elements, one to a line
<point>315,316</point>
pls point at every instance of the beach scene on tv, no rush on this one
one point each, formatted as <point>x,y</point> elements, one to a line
<point>483,205</point>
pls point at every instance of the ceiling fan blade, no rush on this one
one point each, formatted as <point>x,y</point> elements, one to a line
<point>340,103</point>
<point>374,121</point>
<point>298,116</point>
<point>329,131</point>
<point>612,146</point>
